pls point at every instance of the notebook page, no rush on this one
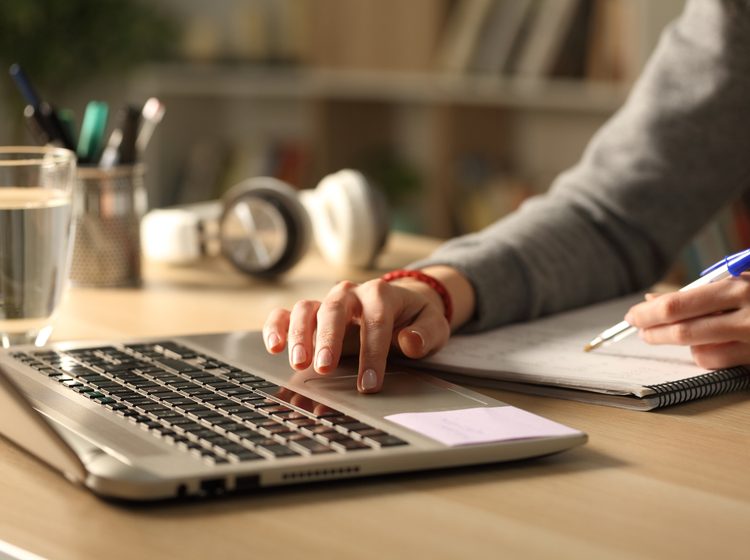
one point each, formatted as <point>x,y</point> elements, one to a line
<point>550,351</point>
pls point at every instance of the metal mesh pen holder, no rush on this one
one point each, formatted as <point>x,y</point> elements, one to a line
<point>108,207</point>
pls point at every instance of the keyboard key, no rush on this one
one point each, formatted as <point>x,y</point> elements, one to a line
<point>387,440</point>
<point>176,365</point>
<point>277,409</point>
<point>329,413</point>
<point>277,450</point>
<point>245,455</point>
<point>154,408</point>
<point>355,426</point>
<point>260,422</point>
<point>235,392</point>
<point>338,420</point>
<point>187,427</point>
<point>301,422</point>
<point>250,415</point>
<point>334,436</point>
<point>174,348</point>
<point>349,444</point>
<point>217,383</point>
<point>83,389</point>
<point>312,446</point>
<point>72,383</point>
<point>230,427</point>
<point>371,432</point>
<point>276,429</point>
<point>266,386</point>
<point>320,429</point>
<point>253,437</point>
<point>250,398</point>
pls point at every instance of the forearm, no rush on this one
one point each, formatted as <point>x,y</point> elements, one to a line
<point>655,173</point>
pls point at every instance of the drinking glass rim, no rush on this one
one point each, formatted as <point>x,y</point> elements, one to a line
<point>58,155</point>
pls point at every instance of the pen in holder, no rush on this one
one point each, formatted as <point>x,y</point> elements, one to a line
<point>107,209</point>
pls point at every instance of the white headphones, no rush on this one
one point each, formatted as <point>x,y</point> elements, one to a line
<point>263,226</point>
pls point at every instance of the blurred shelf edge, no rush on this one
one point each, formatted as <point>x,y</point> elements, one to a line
<point>185,80</point>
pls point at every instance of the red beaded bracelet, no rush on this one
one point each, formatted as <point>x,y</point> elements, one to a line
<point>432,282</point>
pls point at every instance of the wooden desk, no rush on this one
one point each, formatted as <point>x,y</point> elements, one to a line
<point>670,484</point>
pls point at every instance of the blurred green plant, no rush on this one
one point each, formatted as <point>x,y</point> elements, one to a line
<point>62,44</point>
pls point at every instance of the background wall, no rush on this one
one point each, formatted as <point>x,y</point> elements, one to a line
<point>459,109</point>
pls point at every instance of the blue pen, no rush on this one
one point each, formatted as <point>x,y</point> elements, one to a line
<point>44,115</point>
<point>732,265</point>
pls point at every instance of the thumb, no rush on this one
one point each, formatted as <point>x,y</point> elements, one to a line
<point>426,334</point>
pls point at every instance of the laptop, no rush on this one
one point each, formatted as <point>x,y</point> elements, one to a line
<point>213,414</point>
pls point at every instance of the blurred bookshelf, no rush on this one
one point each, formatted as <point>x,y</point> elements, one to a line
<point>459,109</point>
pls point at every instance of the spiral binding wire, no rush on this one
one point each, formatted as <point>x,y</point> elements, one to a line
<point>701,386</point>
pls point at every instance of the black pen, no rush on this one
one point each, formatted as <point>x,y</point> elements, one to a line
<point>43,113</point>
<point>121,146</point>
<point>34,124</point>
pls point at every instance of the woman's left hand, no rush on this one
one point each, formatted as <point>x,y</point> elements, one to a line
<point>714,320</point>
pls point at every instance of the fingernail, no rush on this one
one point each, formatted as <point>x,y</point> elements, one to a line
<point>369,380</point>
<point>323,359</point>
<point>299,356</point>
<point>629,318</point>
<point>419,336</point>
<point>272,341</point>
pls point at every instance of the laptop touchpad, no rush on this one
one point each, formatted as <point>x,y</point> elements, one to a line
<point>402,392</point>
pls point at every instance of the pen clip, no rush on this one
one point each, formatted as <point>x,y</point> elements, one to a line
<point>736,263</point>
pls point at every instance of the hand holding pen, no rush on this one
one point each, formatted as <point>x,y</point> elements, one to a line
<point>712,317</point>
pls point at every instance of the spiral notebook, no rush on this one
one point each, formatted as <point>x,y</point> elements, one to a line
<point>546,357</point>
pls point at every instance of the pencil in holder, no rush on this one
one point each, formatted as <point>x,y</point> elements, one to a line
<point>107,209</point>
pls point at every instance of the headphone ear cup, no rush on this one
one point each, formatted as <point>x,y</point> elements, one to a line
<point>264,229</point>
<point>348,219</point>
<point>181,234</point>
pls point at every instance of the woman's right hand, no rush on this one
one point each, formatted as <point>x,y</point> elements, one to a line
<point>406,314</point>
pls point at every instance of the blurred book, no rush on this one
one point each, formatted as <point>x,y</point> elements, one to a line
<point>570,61</point>
<point>545,37</point>
<point>501,30</point>
<point>586,39</point>
<point>461,35</point>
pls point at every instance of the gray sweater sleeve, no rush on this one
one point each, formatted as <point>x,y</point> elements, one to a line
<point>659,169</point>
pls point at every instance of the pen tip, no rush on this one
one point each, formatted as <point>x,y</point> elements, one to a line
<point>594,344</point>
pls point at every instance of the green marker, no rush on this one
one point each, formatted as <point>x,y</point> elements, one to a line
<point>91,140</point>
<point>67,120</point>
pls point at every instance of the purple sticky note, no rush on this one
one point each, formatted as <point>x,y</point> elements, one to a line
<point>480,425</point>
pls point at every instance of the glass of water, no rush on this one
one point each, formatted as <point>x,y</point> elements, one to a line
<point>36,188</point>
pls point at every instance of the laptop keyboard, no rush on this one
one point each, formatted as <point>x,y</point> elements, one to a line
<point>216,412</point>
